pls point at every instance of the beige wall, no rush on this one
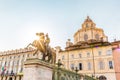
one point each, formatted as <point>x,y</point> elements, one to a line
<point>84,59</point>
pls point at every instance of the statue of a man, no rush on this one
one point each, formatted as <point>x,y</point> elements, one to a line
<point>41,41</point>
<point>47,41</point>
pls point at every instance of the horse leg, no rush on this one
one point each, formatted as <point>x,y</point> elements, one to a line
<point>49,57</point>
<point>35,52</point>
<point>43,58</point>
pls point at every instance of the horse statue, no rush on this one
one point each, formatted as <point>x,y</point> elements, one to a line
<point>42,45</point>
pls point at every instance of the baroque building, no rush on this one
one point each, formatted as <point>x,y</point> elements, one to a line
<point>92,53</point>
<point>11,63</point>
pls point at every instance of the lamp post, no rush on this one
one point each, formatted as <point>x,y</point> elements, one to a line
<point>76,70</point>
<point>59,64</point>
<point>93,62</point>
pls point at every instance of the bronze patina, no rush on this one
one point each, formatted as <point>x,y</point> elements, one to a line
<point>42,45</point>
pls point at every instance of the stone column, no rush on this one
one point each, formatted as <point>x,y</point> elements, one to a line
<point>35,69</point>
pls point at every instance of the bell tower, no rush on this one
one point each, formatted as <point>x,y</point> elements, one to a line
<point>89,31</point>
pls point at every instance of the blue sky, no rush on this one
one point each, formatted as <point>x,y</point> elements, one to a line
<point>21,19</point>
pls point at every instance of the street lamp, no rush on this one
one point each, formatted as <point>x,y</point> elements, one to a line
<point>76,70</point>
<point>93,76</point>
<point>59,64</point>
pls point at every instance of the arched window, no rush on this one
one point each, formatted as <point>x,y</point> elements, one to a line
<point>17,62</point>
<point>102,78</point>
<point>80,66</point>
<point>97,37</point>
<point>85,37</point>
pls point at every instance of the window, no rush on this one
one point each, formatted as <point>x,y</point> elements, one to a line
<point>85,37</point>
<point>109,52</point>
<point>80,55</point>
<point>86,25</point>
<point>10,57</point>
<point>28,55</point>
<point>92,25</point>
<point>89,66</point>
<point>72,56</point>
<point>63,57</point>
<point>99,53</point>
<point>13,63</point>
<point>2,58</point>
<point>19,56</point>
<point>110,65</point>
<point>101,65</point>
<point>76,38</point>
<point>23,55</point>
<point>21,70</point>
<point>80,66</point>
<point>9,63</point>
<point>88,54</point>
<point>97,37</point>
<point>5,63</point>
<point>17,62</point>
<point>72,66</point>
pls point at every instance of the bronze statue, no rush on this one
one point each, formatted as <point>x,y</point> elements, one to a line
<point>42,45</point>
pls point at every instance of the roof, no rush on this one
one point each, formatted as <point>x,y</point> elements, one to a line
<point>88,44</point>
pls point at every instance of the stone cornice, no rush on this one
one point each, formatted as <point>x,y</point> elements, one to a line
<point>16,51</point>
<point>87,45</point>
<point>36,62</point>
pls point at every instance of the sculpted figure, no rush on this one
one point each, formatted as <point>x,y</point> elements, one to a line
<point>41,41</point>
<point>42,45</point>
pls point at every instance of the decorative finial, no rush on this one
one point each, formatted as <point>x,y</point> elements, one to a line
<point>88,17</point>
<point>69,40</point>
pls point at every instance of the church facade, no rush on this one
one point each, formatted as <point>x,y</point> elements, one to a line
<point>92,53</point>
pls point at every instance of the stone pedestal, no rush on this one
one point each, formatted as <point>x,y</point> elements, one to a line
<point>35,69</point>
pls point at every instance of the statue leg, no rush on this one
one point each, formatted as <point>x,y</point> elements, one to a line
<point>49,57</point>
<point>43,58</point>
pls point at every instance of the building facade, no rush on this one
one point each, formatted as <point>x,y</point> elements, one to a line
<point>91,53</point>
<point>11,63</point>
